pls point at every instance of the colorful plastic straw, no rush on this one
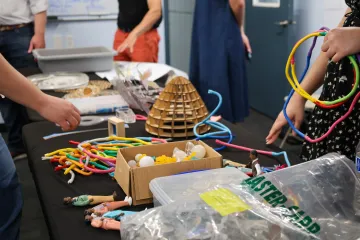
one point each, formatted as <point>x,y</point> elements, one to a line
<point>223,133</point>
<point>276,154</point>
<point>323,104</point>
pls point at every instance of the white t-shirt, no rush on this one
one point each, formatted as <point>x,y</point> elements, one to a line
<point>13,12</point>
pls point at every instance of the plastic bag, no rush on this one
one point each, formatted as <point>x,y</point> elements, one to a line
<point>313,200</point>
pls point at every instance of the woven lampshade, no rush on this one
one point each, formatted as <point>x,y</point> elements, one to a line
<point>176,111</point>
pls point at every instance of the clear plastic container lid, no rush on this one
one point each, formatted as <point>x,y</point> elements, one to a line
<point>184,186</point>
<point>60,80</point>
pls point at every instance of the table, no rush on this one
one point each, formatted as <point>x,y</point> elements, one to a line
<point>66,222</point>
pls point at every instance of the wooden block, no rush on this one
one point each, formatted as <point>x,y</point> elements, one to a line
<point>116,126</point>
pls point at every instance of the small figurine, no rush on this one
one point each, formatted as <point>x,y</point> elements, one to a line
<point>109,206</point>
<point>105,223</point>
<point>85,200</point>
<point>90,218</point>
<point>117,214</point>
<point>254,163</point>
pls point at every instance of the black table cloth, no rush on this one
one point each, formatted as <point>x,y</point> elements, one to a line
<point>67,222</point>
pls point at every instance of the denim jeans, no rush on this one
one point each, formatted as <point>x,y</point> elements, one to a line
<point>14,47</point>
<point>10,196</point>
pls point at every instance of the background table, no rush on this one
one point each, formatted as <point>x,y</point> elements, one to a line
<point>66,222</point>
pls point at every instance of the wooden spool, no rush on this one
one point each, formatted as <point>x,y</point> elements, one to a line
<point>176,111</point>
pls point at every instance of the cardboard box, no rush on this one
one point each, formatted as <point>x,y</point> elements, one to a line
<point>135,181</point>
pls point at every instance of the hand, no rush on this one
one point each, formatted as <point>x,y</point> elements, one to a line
<point>59,111</point>
<point>128,43</point>
<point>341,42</point>
<point>37,41</point>
<point>246,42</point>
<point>295,111</point>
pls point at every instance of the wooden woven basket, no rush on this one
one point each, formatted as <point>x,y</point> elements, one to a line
<point>176,111</point>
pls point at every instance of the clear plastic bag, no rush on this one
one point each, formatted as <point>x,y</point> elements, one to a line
<point>313,200</point>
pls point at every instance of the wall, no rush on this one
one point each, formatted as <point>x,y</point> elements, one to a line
<point>334,11</point>
<point>62,34</point>
<point>180,31</point>
<point>309,17</point>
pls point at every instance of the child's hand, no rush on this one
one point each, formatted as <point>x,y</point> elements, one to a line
<point>295,111</point>
<point>341,42</point>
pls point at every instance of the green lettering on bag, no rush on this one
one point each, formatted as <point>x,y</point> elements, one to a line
<point>297,216</point>
<point>306,221</point>
<point>276,198</point>
<point>256,181</point>
<point>269,189</point>
<point>314,228</point>
<point>246,181</point>
<point>272,196</point>
<point>280,200</point>
<point>262,186</point>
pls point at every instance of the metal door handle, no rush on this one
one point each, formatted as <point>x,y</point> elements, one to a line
<point>285,23</point>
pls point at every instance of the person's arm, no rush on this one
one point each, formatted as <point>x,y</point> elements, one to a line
<point>238,8</point>
<point>19,89</point>
<point>315,77</point>
<point>16,87</point>
<point>38,9</point>
<point>151,17</point>
<point>312,81</point>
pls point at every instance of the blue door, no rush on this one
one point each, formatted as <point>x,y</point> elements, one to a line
<point>270,28</point>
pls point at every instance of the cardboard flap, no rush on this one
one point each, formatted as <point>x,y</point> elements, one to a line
<point>122,175</point>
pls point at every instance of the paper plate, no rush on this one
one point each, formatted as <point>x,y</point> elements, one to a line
<point>59,80</point>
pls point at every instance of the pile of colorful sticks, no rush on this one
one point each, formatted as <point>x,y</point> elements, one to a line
<point>94,156</point>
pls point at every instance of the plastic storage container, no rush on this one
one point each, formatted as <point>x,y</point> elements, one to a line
<point>166,190</point>
<point>90,59</point>
<point>318,199</point>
